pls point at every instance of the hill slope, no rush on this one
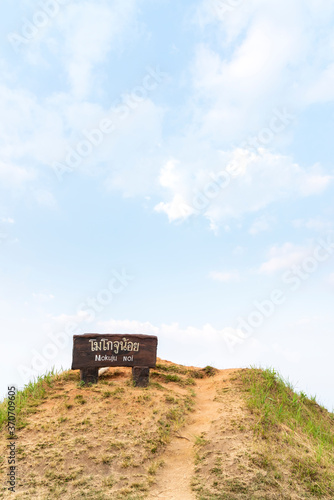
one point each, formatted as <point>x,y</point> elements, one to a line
<point>192,434</point>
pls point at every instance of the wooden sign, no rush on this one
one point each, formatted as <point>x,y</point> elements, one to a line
<point>92,351</point>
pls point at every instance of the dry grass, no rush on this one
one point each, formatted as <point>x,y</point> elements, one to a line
<point>96,442</point>
<point>270,443</point>
<point>109,440</point>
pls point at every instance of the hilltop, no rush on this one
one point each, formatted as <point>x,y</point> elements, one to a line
<point>194,433</point>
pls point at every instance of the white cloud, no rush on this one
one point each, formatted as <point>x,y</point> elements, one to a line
<point>264,55</point>
<point>226,277</point>
<point>7,220</point>
<point>174,338</point>
<point>239,89</point>
<point>15,176</point>
<point>263,223</point>
<point>322,90</point>
<point>37,134</point>
<point>315,184</point>
<point>43,297</point>
<point>259,50</point>
<point>31,132</point>
<point>173,331</point>
<point>45,198</point>
<point>259,179</point>
<point>283,257</point>
<point>331,279</point>
<point>133,153</point>
<point>315,224</point>
<point>172,177</point>
<point>176,209</point>
<point>91,30</point>
<point>36,131</point>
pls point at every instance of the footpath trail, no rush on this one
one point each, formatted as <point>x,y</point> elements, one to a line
<point>173,482</point>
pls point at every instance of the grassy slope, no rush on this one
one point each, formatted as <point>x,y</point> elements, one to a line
<point>94,442</point>
<point>108,440</point>
<point>280,444</point>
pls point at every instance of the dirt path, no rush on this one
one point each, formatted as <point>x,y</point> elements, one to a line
<point>173,482</point>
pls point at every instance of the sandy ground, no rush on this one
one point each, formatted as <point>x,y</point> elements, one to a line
<point>173,482</point>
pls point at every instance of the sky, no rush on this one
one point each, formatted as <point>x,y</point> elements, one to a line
<point>167,168</point>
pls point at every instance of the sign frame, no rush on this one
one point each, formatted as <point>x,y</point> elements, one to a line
<point>92,351</point>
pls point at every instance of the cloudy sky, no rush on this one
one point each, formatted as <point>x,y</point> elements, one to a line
<point>167,168</point>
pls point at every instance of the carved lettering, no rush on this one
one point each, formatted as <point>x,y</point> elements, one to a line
<point>93,350</point>
<point>124,345</point>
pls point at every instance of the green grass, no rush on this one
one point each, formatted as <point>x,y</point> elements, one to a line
<point>309,443</point>
<point>80,399</point>
<point>27,399</point>
<point>282,443</point>
<point>171,368</point>
<point>130,440</point>
<point>200,440</point>
<point>167,377</point>
<point>275,400</point>
<point>210,371</point>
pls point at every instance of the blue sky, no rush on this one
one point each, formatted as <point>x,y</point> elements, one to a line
<point>167,168</point>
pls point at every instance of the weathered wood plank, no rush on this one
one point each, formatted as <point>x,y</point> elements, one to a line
<point>93,350</point>
<point>140,376</point>
<point>89,375</point>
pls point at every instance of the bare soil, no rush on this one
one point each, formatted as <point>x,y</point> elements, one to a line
<point>173,482</point>
<point>188,436</point>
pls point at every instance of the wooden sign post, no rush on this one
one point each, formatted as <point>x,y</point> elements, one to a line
<point>92,351</point>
